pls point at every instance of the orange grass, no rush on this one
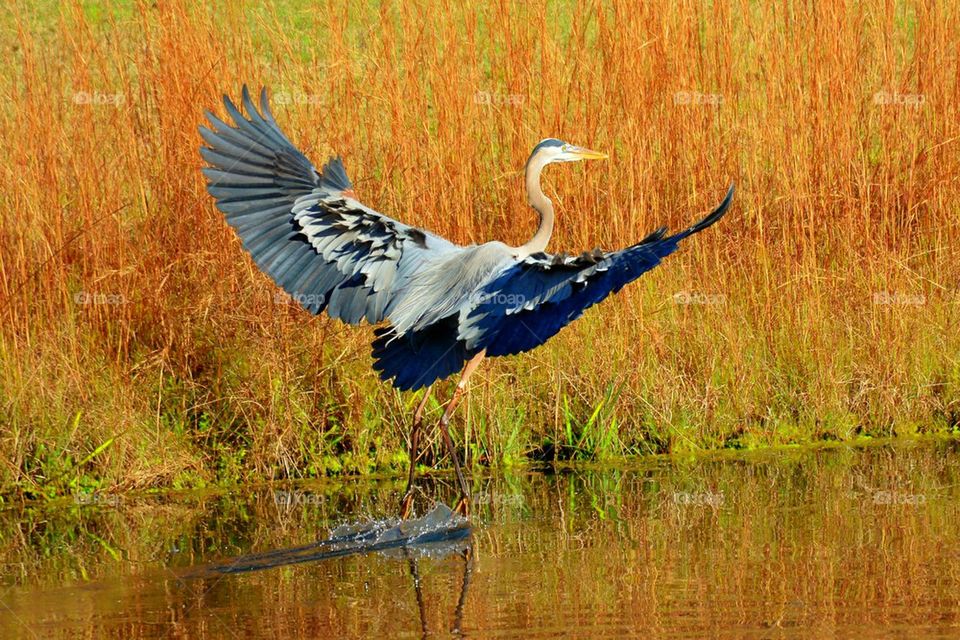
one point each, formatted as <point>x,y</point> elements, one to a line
<point>141,347</point>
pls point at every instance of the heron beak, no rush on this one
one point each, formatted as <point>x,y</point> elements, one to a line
<point>580,153</point>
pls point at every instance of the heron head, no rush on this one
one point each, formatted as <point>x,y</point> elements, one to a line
<point>553,150</point>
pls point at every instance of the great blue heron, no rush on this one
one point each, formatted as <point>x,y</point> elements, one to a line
<point>446,306</point>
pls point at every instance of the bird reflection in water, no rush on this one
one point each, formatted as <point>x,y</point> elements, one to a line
<point>438,534</point>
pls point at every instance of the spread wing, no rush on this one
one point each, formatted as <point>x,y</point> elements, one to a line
<point>529,302</point>
<point>304,228</point>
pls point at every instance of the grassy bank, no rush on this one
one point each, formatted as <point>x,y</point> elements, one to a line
<point>140,347</point>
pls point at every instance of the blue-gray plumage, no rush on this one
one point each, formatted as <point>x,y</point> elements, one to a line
<point>442,305</point>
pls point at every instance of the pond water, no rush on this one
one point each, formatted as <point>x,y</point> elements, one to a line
<point>839,542</point>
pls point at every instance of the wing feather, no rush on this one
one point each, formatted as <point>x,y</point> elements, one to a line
<point>301,227</point>
<point>529,302</point>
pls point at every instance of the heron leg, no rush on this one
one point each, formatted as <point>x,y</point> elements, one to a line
<point>421,605</point>
<point>406,505</point>
<point>463,506</point>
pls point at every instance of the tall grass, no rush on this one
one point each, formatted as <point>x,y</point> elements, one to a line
<point>141,347</point>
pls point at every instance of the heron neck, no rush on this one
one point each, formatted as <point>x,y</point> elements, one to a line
<point>542,205</point>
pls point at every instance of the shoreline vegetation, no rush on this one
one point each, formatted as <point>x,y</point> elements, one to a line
<point>141,349</point>
<point>444,475</point>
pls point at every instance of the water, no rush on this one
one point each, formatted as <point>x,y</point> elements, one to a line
<point>845,542</point>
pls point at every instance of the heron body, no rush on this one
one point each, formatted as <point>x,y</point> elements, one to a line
<point>443,306</point>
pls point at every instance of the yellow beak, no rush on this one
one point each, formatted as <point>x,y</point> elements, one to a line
<point>580,153</point>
